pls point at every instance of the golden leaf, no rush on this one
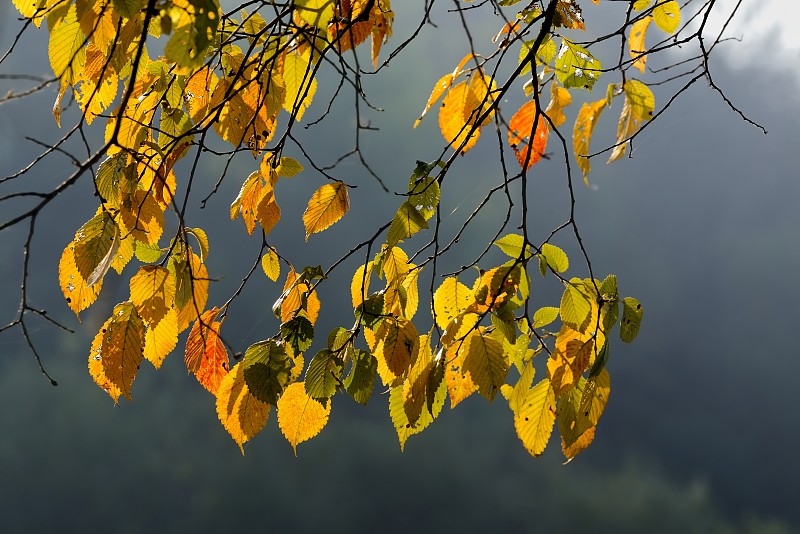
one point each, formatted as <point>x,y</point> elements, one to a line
<point>459,385</point>
<point>636,110</point>
<point>359,286</point>
<point>667,16</point>
<point>534,420</point>
<point>582,134</point>
<point>271,265</point>
<point>96,364</point>
<point>636,45</point>
<point>191,289</point>
<point>294,293</point>
<point>300,82</point>
<point>460,108</point>
<point>559,99</point>
<point>122,347</point>
<point>152,292</point>
<point>485,362</point>
<point>161,339</point>
<point>450,300</point>
<point>240,413</point>
<point>395,344</point>
<point>327,205</point>
<point>301,417</point>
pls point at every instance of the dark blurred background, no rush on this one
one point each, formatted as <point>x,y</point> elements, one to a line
<point>702,425</point>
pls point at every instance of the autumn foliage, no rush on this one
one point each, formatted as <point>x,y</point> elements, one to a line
<point>249,78</point>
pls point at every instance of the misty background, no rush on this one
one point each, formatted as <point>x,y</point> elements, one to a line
<point>701,428</point>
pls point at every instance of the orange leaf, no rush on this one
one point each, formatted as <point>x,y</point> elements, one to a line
<point>206,355</point>
<point>521,129</point>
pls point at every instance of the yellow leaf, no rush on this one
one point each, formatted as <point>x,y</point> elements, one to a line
<point>152,292</point>
<point>197,95</point>
<point>516,395</point>
<point>444,83</point>
<point>271,265</point>
<point>534,421</point>
<point>412,291</point>
<point>66,50</point>
<point>395,345</point>
<point>247,200</point>
<point>450,300</point>
<point>294,295</point>
<point>77,291</point>
<point>240,413</point>
<point>301,84</point>
<point>301,417</point>
<point>359,286</point>
<point>485,362</point>
<point>416,382</point>
<point>191,289</point>
<point>460,108</point>
<point>96,364</point>
<point>637,109</point>
<point>317,13</point>
<point>93,93</point>
<point>395,265</point>
<point>161,339</point>
<point>94,241</point>
<point>667,16</point>
<point>582,134</point>
<point>29,8</point>
<point>268,212</point>
<point>559,99</point>
<point>328,204</point>
<point>245,117</point>
<point>397,411</point>
<point>636,44</point>
<point>122,347</point>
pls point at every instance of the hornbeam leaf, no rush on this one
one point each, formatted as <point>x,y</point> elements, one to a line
<point>267,370</point>
<point>631,319</point>
<point>400,420</point>
<point>582,134</point>
<point>485,362</point>
<point>555,257</point>
<point>636,42</point>
<point>323,375</point>
<point>66,50</point>
<point>206,355</point>
<point>122,347</point>
<point>301,417</point>
<point>667,16</point>
<point>328,204</point>
<point>528,145</point>
<point>576,67</point>
<point>271,265</point>
<point>534,420</point>
<point>160,339</point>
<point>407,221</point>
<point>152,292</point>
<point>240,413</point>
<point>93,241</point>
<point>361,380</point>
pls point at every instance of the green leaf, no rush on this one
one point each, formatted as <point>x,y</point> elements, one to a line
<point>424,190</point>
<point>361,380</point>
<point>544,316</point>
<point>370,313</point>
<point>545,54</point>
<point>600,361</point>
<point>323,375</point>
<point>298,333</point>
<point>267,370</point>
<point>511,245</point>
<point>147,253</point>
<point>555,257</point>
<point>576,305</point>
<point>93,241</point>
<point>407,221</point>
<point>575,66</point>
<point>631,319</point>
<point>289,167</point>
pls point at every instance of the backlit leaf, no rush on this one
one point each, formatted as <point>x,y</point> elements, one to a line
<point>636,42</point>
<point>360,382</point>
<point>511,245</point>
<point>160,339</point>
<point>444,83</point>
<point>407,221</point>
<point>395,344</point>
<point>582,134</point>
<point>485,362</point>
<point>301,85</point>
<point>534,420</point>
<point>637,109</point>
<point>450,300</point>
<point>271,265</point>
<point>528,145</point>
<point>267,370</point>
<point>122,347</point>
<point>544,316</point>
<point>559,99</point>
<point>576,305</point>
<point>632,313</point>
<point>66,51</point>
<point>324,374</point>
<point>457,117</point>
<point>328,204</point>
<point>96,364</point>
<point>576,67</point>
<point>400,420</point>
<point>240,413</point>
<point>555,257</point>
<point>301,417</point>
<point>152,292</point>
<point>459,385</point>
<point>206,355</point>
